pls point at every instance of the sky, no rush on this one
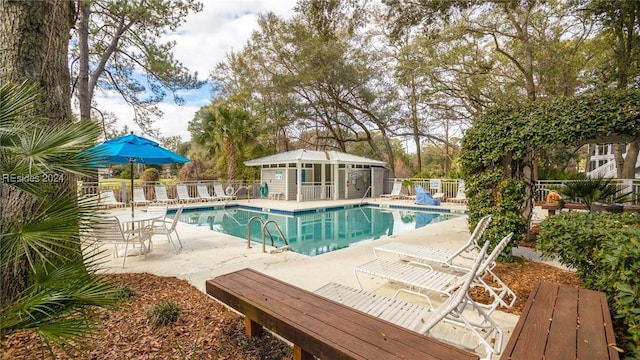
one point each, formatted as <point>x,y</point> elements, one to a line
<point>201,42</point>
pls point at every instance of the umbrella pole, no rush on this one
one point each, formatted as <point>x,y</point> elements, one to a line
<point>133,204</point>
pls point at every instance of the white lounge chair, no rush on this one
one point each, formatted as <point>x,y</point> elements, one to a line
<point>167,227</point>
<point>203,193</point>
<point>217,187</point>
<point>418,279</point>
<point>108,199</point>
<point>435,187</point>
<point>161,195</point>
<point>421,253</point>
<point>461,197</point>
<point>451,313</point>
<point>395,192</point>
<point>139,197</point>
<point>183,194</point>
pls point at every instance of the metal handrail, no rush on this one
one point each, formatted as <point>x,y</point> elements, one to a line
<point>264,229</point>
<point>256,217</point>
<point>235,193</point>
<point>365,194</point>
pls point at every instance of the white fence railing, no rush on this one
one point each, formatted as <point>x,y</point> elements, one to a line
<point>624,186</point>
<point>316,191</point>
<point>447,186</point>
<point>122,191</point>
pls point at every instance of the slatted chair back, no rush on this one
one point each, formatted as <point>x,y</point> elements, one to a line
<point>107,230</point>
<point>451,303</point>
<point>139,197</point>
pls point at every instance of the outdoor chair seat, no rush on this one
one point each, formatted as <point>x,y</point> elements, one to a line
<point>167,227</point>
<point>421,278</point>
<point>453,312</point>
<point>139,197</point>
<point>161,195</point>
<point>395,192</point>
<point>183,194</point>
<point>108,199</point>
<point>203,193</point>
<point>220,193</point>
<point>422,253</point>
<point>107,230</point>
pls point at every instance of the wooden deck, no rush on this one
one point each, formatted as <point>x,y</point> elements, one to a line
<point>321,327</point>
<point>562,322</point>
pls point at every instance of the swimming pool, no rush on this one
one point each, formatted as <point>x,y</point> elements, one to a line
<point>319,231</point>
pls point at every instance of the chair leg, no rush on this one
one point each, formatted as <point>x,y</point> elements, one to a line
<point>126,247</point>
<point>178,236</point>
<point>177,250</point>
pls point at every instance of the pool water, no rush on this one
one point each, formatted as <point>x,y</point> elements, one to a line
<point>317,232</point>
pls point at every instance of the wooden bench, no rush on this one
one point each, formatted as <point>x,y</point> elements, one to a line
<point>562,322</point>
<point>319,326</point>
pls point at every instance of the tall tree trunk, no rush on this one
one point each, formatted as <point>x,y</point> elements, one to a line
<point>84,11</point>
<point>415,123</point>
<point>627,169</point>
<point>34,38</point>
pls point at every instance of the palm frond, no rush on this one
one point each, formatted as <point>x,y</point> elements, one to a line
<point>17,103</point>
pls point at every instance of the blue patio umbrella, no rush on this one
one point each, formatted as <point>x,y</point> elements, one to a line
<point>133,149</point>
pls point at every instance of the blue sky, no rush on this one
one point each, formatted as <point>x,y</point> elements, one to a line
<point>202,41</point>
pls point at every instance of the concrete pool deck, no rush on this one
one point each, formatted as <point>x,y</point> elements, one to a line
<point>207,254</point>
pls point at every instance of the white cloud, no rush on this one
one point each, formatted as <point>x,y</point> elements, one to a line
<point>201,42</point>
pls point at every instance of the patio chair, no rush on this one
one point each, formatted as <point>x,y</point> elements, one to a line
<point>161,195</point>
<point>107,199</point>
<point>107,230</point>
<point>203,193</point>
<point>167,227</point>
<point>420,278</point>
<point>451,313</point>
<point>217,188</point>
<point>183,194</point>
<point>435,188</point>
<point>139,197</point>
<point>446,258</point>
<point>461,197</point>
<point>395,192</point>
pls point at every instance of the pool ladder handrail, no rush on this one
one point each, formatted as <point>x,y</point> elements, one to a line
<point>365,194</point>
<point>236,195</point>
<point>266,230</point>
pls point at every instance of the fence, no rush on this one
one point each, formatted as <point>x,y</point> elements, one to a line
<point>122,192</point>
<point>624,186</point>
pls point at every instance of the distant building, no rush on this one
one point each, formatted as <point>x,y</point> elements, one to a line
<point>603,163</point>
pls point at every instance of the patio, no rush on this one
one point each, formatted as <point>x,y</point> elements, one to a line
<point>207,254</point>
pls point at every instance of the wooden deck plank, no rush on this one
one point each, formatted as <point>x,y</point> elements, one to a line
<point>533,337</point>
<point>578,324</point>
<point>608,329</point>
<point>281,298</point>
<point>562,341</point>
<point>591,336</point>
<point>321,326</point>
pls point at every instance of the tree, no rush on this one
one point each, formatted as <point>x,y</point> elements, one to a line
<point>45,283</point>
<point>46,279</point>
<point>34,38</point>
<point>621,68</point>
<point>116,44</point>
<point>222,129</point>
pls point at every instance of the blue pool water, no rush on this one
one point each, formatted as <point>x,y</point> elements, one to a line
<point>317,232</point>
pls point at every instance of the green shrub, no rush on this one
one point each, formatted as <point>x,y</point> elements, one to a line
<point>604,249</point>
<point>125,293</point>
<point>151,175</point>
<point>163,313</point>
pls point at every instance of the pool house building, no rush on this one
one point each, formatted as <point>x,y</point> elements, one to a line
<point>305,175</point>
